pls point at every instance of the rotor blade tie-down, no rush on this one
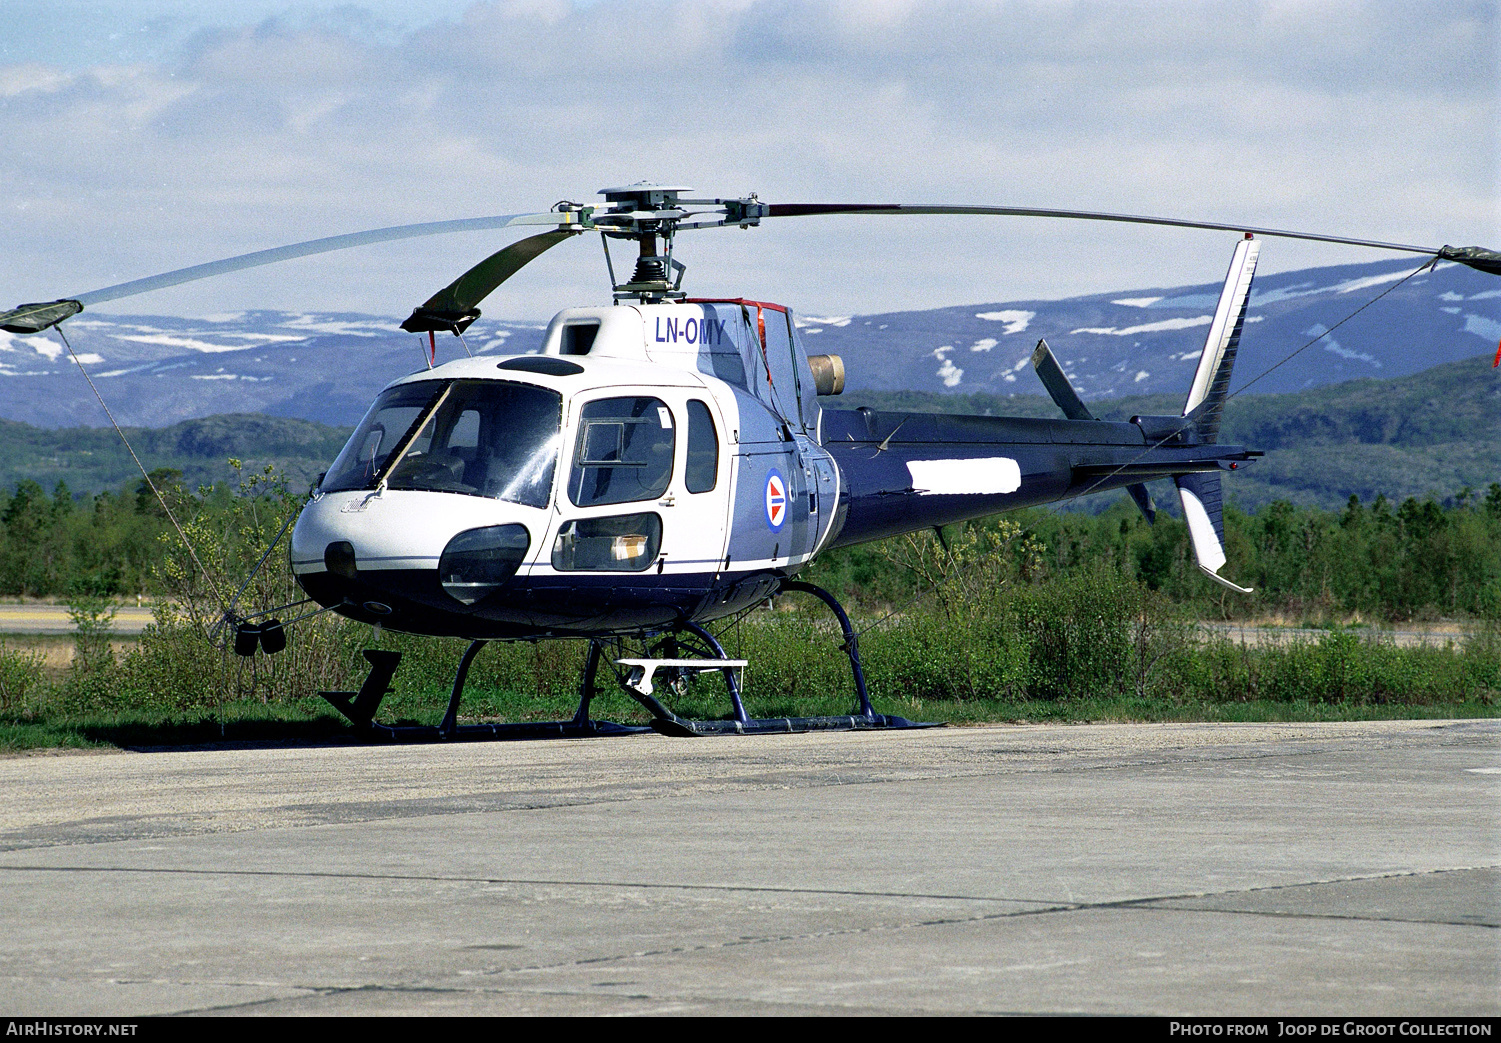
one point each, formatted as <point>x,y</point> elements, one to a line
<point>1294,354</point>
<point>207,575</point>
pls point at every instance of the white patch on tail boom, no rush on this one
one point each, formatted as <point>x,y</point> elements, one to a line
<point>990,475</point>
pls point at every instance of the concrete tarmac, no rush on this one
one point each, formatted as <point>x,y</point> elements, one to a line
<point>1149,869</point>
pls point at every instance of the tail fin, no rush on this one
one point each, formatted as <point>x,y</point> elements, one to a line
<point>1203,510</point>
<point>1199,493</point>
<point>1211,384</point>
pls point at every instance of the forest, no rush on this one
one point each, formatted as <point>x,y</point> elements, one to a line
<point>1379,561</point>
<point>1037,615</point>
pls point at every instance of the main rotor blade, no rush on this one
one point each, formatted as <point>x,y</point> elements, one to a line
<point>1473,256</point>
<point>316,246</point>
<point>453,307</point>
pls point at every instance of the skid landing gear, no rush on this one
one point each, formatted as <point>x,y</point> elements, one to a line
<point>676,665</point>
<point>706,655</point>
<point>359,707</point>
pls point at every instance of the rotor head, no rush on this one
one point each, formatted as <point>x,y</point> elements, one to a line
<point>652,214</point>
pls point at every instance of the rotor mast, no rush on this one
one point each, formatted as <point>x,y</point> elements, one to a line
<point>651,214</point>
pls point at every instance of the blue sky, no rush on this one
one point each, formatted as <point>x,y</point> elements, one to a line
<point>147,136</point>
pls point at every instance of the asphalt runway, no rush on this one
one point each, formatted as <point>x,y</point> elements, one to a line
<point>1152,869</point>
<point>38,617</point>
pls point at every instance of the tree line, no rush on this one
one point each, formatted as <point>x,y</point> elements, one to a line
<point>1412,560</point>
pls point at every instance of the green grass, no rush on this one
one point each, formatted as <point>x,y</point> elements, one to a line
<point>1094,647</point>
<point>315,723</point>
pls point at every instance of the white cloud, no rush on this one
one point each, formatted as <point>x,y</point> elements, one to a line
<point>223,132</point>
<point>950,374</point>
<point>983,344</point>
<point>1137,302</point>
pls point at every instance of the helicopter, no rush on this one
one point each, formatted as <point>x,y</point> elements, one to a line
<point>668,461</point>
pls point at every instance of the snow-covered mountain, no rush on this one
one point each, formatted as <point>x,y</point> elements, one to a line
<point>156,370</point>
<point>1148,341</point>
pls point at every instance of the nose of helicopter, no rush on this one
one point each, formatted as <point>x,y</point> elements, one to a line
<point>413,560</point>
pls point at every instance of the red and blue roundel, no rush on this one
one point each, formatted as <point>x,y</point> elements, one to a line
<point>776,501</point>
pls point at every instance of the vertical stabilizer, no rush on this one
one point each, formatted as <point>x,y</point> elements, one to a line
<point>1203,510</point>
<point>1211,384</point>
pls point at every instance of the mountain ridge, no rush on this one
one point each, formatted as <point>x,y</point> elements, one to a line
<point>327,367</point>
<point>1432,433</point>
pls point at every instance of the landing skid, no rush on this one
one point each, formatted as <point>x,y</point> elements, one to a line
<point>359,708</point>
<point>678,726</point>
<point>675,671</point>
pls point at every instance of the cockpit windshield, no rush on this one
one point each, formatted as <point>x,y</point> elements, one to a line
<point>477,437</point>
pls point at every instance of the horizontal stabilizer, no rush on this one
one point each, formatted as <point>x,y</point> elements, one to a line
<point>1052,377</point>
<point>1203,511</point>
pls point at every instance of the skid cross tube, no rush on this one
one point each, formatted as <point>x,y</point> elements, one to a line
<point>851,644</point>
<point>451,717</point>
<point>668,723</point>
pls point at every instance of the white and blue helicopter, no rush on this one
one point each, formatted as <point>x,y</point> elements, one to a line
<point>668,461</point>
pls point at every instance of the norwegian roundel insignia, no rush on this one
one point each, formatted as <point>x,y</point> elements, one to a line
<point>776,501</point>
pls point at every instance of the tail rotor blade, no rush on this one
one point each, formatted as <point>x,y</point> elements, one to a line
<point>1143,500</point>
<point>1056,381</point>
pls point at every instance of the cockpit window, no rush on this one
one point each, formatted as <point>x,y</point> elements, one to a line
<point>477,437</point>
<point>623,453</point>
